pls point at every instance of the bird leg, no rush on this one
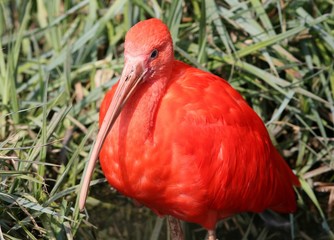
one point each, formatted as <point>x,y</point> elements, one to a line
<point>175,228</point>
<point>211,235</point>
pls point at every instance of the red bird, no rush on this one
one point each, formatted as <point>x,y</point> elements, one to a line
<point>183,142</point>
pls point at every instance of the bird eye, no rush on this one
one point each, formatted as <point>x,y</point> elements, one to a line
<point>154,54</point>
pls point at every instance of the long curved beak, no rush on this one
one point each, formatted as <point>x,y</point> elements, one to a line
<point>132,75</point>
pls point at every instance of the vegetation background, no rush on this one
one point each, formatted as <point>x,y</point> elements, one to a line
<point>59,57</point>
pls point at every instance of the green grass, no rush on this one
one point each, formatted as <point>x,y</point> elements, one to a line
<point>59,57</point>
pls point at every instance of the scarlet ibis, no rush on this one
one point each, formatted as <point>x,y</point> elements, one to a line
<point>182,141</point>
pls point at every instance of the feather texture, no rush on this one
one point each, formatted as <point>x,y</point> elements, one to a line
<point>196,150</point>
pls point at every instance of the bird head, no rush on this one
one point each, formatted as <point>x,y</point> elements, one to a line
<point>148,55</point>
<point>148,50</point>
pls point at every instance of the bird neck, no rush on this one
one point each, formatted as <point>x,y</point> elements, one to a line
<point>138,115</point>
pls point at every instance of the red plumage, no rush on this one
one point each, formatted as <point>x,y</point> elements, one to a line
<point>185,142</point>
<point>206,154</point>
